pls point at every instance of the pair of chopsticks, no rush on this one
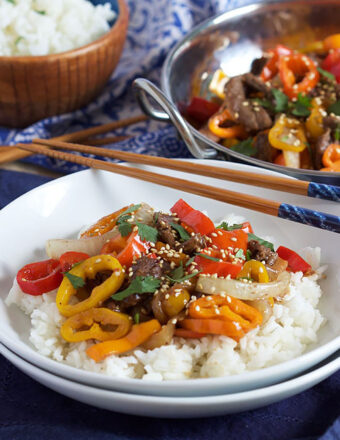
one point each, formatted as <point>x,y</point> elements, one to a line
<point>290,212</point>
<point>88,136</point>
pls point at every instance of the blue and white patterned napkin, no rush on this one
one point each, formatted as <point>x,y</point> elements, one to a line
<point>155,26</point>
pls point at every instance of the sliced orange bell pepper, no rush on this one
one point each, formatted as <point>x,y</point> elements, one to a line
<point>271,68</point>
<point>188,334</point>
<point>214,327</point>
<point>138,334</point>
<point>332,42</point>
<point>331,155</point>
<point>296,65</point>
<point>104,224</point>
<point>235,131</point>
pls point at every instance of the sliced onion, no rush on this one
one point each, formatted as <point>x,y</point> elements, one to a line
<point>264,307</point>
<point>90,245</point>
<point>273,271</point>
<point>245,291</point>
<point>163,337</point>
<point>157,308</point>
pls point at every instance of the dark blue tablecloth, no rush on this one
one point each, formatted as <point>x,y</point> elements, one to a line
<point>31,411</point>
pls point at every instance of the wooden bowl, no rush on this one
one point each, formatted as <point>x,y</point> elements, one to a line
<point>35,87</point>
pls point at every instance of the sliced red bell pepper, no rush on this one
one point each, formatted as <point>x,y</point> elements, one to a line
<point>246,227</point>
<point>332,63</point>
<point>295,262</point>
<point>126,248</point>
<point>229,240</point>
<point>271,68</point>
<point>201,109</point>
<point>193,218</point>
<point>181,208</point>
<point>68,259</point>
<point>41,277</point>
<point>293,67</point>
<point>221,268</point>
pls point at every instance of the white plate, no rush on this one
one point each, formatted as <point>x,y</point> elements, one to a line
<point>179,407</point>
<point>60,208</point>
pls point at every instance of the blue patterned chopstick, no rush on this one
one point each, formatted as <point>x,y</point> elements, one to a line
<point>323,191</point>
<point>306,216</point>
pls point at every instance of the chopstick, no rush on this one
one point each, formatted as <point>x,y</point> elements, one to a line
<point>290,212</point>
<point>15,153</point>
<point>293,186</point>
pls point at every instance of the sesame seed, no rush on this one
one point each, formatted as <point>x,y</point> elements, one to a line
<point>214,234</point>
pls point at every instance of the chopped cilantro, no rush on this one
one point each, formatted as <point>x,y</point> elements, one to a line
<point>337,134</point>
<point>182,232</point>
<point>226,227</point>
<point>139,285</point>
<point>124,229</point>
<point>208,257</point>
<point>326,74</point>
<point>261,241</point>
<point>281,101</point>
<point>302,106</point>
<point>11,1</point>
<point>189,261</point>
<point>123,215</point>
<point>240,254</point>
<point>264,103</point>
<point>335,108</point>
<point>40,12</point>
<point>155,219</point>
<point>248,255</point>
<point>147,233</point>
<point>177,275</point>
<point>75,280</point>
<point>136,318</point>
<point>245,147</point>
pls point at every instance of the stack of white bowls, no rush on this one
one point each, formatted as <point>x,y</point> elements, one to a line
<point>62,207</point>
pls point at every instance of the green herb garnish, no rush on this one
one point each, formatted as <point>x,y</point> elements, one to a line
<point>17,41</point>
<point>245,147</point>
<point>129,210</point>
<point>281,101</point>
<point>240,254</point>
<point>11,1</point>
<point>226,227</point>
<point>136,318</point>
<point>125,229</point>
<point>177,275</point>
<point>182,232</point>
<point>337,134</point>
<point>335,108</point>
<point>264,103</point>
<point>147,233</point>
<point>302,106</point>
<point>208,257</point>
<point>139,285</point>
<point>248,255</point>
<point>40,12</point>
<point>261,241</point>
<point>326,74</point>
<point>76,281</point>
<point>189,261</point>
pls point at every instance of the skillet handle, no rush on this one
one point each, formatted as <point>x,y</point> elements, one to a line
<point>143,88</point>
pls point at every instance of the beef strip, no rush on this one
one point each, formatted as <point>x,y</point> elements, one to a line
<point>264,151</point>
<point>143,267</point>
<point>166,233</point>
<point>258,64</point>
<point>320,146</point>
<point>331,121</point>
<point>254,118</point>
<point>256,84</point>
<point>195,243</point>
<point>146,266</point>
<point>262,253</point>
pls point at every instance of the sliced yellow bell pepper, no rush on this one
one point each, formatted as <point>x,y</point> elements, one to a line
<point>292,159</point>
<point>175,300</point>
<point>138,334</point>
<point>288,134</point>
<point>314,123</point>
<point>89,269</point>
<point>255,270</point>
<point>95,320</point>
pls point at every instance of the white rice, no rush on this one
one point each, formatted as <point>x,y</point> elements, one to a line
<point>41,27</point>
<point>288,332</point>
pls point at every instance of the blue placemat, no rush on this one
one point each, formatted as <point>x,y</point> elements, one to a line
<point>30,411</point>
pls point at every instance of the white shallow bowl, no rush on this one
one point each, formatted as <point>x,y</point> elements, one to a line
<point>60,208</point>
<point>179,407</point>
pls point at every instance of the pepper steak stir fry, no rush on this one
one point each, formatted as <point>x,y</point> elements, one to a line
<point>285,111</point>
<point>149,276</point>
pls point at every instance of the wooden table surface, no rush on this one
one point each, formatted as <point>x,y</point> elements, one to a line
<point>30,168</point>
